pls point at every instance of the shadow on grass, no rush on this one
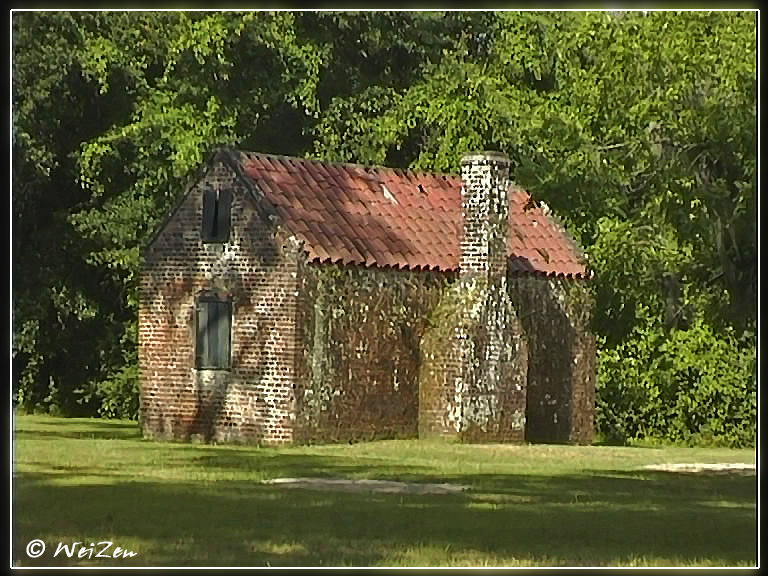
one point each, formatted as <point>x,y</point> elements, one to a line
<point>591,519</point>
<point>82,429</point>
<point>595,518</point>
<point>272,464</point>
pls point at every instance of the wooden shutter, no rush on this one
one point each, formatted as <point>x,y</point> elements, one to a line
<point>209,214</point>
<point>224,329</point>
<point>202,357</point>
<point>214,334</point>
<point>223,215</point>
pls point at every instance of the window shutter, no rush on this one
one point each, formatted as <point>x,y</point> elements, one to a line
<point>214,334</point>
<point>224,320</point>
<point>209,214</point>
<point>202,357</point>
<point>223,216</point>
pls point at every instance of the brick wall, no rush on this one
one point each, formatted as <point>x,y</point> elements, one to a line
<point>494,361</point>
<point>360,332</point>
<point>555,314</point>
<point>440,383</point>
<point>257,269</point>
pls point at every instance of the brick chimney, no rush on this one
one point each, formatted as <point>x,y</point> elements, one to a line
<point>490,395</point>
<point>485,211</point>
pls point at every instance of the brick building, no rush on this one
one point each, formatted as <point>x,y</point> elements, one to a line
<point>290,300</point>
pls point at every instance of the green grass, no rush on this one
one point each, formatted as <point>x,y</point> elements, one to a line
<point>81,480</point>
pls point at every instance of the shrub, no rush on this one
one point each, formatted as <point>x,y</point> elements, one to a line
<point>119,394</point>
<point>688,386</point>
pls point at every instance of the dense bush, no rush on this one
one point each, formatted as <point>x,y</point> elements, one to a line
<point>689,386</point>
<point>119,394</point>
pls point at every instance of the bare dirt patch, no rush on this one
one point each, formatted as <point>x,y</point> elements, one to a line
<point>396,487</point>
<point>722,468</point>
<point>365,485</point>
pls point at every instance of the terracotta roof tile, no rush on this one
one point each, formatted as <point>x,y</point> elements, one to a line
<point>380,217</point>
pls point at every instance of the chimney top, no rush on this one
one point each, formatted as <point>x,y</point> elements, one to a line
<point>486,156</point>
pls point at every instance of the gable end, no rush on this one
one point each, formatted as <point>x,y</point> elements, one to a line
<point>227,157</point>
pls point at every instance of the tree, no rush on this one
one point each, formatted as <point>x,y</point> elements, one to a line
<point>637,129</point>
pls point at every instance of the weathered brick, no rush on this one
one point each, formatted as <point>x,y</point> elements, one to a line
<point>336,353</point>
<point>257,269</point>
<point>561,372</point>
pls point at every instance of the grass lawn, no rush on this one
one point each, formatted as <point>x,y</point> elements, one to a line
<point>82,480</point>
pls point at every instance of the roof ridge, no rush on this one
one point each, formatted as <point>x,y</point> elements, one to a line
<point>366,167</point>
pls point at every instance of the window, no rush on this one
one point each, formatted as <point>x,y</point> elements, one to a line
<point>216,215</point>
<point>214,326</point>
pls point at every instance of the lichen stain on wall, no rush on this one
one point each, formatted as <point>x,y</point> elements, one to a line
<point>473,377</point>
<point>555,315</point>
<point>495,370</point>
<point>361,332</point>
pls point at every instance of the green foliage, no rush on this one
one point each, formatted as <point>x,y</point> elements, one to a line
<point>119,393</point>
<point>635,257</point>
<point>691,386</point>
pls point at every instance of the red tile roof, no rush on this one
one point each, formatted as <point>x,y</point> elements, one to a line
<point>374,216</point>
